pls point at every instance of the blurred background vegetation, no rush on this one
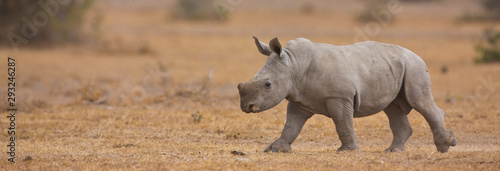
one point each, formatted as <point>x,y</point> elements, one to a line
<point>491,12</point>
<point>194,10</point>
<point>64,27</point>
<point>375,6</point>
<point>492,9</point>
<point>489,48</point>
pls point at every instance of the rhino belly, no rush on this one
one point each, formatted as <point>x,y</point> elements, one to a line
<point>372,105</point>
<point>376,91</point>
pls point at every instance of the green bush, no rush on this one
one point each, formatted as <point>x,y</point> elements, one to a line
<point>489,51</point>
<point>58,22</point>
<point>194,10</point>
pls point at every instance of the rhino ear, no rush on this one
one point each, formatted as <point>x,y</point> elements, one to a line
<point>263,48</point>
<point>275,46</point>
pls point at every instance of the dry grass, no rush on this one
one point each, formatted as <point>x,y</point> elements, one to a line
<point>80,110</point>
<point>96,137</point>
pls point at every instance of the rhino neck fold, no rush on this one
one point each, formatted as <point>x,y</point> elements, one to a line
<point>298,69</point>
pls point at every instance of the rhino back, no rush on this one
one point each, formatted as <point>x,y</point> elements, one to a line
<point>368,73</point>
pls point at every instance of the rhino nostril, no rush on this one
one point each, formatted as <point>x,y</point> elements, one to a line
<point>239,85</point>
<point>250,107</point>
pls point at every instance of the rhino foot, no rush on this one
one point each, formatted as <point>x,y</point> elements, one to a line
<point>444,141</point>
<point>279,146</point>
<point>395,149</point>
<point>348,147</point>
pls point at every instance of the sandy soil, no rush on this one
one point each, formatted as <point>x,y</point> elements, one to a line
<point>152,93</point>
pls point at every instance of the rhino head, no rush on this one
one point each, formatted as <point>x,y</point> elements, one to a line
<point>271,84</point>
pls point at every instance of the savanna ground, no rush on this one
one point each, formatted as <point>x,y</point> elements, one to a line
<point>155,93</point>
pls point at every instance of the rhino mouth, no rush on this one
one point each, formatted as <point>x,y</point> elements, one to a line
<point>250,108</point>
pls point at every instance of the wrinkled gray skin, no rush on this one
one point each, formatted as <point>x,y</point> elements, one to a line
<point>344,82</point>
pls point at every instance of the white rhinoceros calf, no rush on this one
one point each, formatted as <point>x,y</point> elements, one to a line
<point>344,82</point>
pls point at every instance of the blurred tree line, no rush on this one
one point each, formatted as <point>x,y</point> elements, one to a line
<point>492,8</point>
<point>490,12</point>
<point>42,22</point>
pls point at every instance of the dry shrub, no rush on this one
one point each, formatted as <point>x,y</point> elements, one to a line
<point>489,50</point>
<point>91,93</point>
<point>194,10</point>
<point>307,8</point>
<point>118,46</point>
<point>375,6</point>
<point>157,88</point>
<point>371,7</point>
<point>64,27</point>
<point>197,116</point>
<point>30,103</point>
<point>196,91</point>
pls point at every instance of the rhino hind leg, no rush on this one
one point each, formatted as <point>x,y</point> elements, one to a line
<point>397,113</point>
<point>417,85</point>
<point>443,138</point>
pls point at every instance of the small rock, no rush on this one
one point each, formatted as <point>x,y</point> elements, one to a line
<point>450,100</point>
<point>123,145</point>
<point>237,153</point>
<point>444,69</point>
<point>28,158</point>
<point>129,145</point>
<point>242,159</point>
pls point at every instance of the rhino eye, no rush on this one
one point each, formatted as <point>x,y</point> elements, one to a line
<point>268,84</point>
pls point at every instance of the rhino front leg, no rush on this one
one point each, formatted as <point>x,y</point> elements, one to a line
<point>295,119</point>
<point>341,111</point>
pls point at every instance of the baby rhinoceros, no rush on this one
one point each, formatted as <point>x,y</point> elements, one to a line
<point>344,82</point>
